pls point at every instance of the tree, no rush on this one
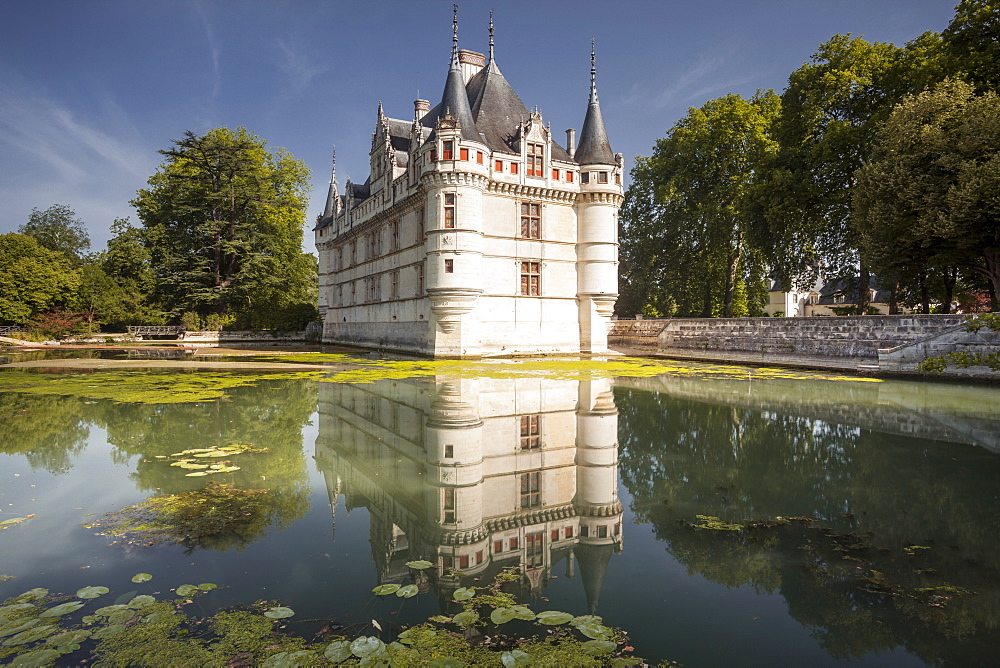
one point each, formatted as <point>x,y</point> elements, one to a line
<point>686,239</point>
<point>931,192</point>
<point>223,221</point>
<point>972,43</point>
<point>58,229</point>
<point>33,279</point>
<point>829,115</point>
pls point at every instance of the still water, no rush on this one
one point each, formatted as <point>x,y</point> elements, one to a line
<point>873,507</point>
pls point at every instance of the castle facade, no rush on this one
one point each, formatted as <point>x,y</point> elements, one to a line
<point>476,232</point>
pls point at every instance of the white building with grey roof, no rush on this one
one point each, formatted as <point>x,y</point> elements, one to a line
<point>476,232</point>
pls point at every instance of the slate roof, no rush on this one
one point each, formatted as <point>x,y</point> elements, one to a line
<point>496,108</point>
<point>844,286</point>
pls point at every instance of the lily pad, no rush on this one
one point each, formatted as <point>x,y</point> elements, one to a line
<point>279,612</point>
<point>91,592</point>
<point>141,577</point>
<point>37,658</point>
<point>36,594</point>
<point>13,520</point>
<point>409,591</point>
<point>366,646</point>
<point>338,651</point>
<point>515,657</point>
<point>445,662</point>
<point>502,615</point>
<point>419,564</point>
<point>141,601</point>
<point>290,659</point>
<point>16,627</point>
<point>463,593</point>
<point>186,590</point>
<point>553,617</point>
<point>68,638</point>
<point>595,631</point>
<point>108,610</point>
<point>63,609</point>
<point>599,647</point>
<point>31,635</point>
<point>208,586</point>
<point>384,589</point>
<point>522,612</point>
<point>467,618</point>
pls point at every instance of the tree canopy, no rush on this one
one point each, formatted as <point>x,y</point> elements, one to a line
<point>32,278</point>
<point>59,229</point>
<point>223,221</point>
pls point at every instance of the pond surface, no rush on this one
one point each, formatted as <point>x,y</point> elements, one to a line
<point>721,520</point>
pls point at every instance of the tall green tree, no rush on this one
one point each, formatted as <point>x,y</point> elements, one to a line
<point>59,229</point>
<point>33,279</point>
<point>223,219</point>
<point>972,43</point>
<point>830,112</point>
<point>931,192</point>
<point>687,245</point>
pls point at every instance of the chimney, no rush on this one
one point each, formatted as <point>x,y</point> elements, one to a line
<point>471,62</point>
<point>420,108</point>
<point>571,142</point>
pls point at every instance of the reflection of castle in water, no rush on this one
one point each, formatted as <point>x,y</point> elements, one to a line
<point>478,475</point>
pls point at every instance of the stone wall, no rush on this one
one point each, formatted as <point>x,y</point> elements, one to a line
<point>905,358</point>
<point>844,341</point>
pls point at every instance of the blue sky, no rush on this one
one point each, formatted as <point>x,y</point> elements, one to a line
<point>91,89</point>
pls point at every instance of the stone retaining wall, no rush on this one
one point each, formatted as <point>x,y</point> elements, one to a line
<point>905,358</point>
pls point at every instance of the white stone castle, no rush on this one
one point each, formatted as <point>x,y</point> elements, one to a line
<point>476,233</point>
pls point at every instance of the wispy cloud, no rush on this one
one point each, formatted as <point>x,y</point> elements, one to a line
<point>213,48</point>
<point>298,67</point>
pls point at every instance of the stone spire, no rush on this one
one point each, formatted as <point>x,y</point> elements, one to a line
<point>455,100</point>
<point>594,146</point>
<point>332,198</point>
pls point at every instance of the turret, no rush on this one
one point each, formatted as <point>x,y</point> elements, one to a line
<point>600,197</point>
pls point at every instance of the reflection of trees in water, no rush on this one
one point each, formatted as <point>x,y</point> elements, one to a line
<point>270,414</point>
<point>47,430</point>
<point>681,458</point>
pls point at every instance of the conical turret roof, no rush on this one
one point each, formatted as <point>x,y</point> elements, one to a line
<point>594,145</point>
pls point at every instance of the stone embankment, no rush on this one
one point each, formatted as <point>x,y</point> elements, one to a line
<point>842,342</point>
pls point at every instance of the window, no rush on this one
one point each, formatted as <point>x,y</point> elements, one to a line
<point>447,149</point>
<point>535,154</point>
<point>449,210</point>
<point>530,432</point>
<point>569,532</point>
<point>449,504</point>
<point>354,253</point>
<point>555,535</point>
<point>531,279</point>
<point>602,531</point>
<point>463,561</point>
<point>449,451</point>
<point>513,543</point>
<point>446,562</point>
<point>534,546</point>
<point>374,289</point>
<point>340,295</point>
<point>338,259</point>
<point>354,292</point>
<point>602,177</point>
<point>479,157</point>
<point>569,177</point>
<point>530,220</point>
<point>479,557</point>
<point>463,153</point>
<point>394,236</point>
<point>420,226</point>
<point>584,531</point>
<point>449,266</point>
<point>434,155</point>
<point>420,280</point>
<point>555,174</point>
<point>530,496</point>
<point>395,284</point>
<point>618,179</point>
<point>585,177</point>
<point>498,546</point>
<point>498,165</point>
<point>513,168</point>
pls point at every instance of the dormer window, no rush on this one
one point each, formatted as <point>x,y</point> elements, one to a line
<point>447,150</point>
<point>513,168</point>
<point>463,153</point>
<point>535,154</point>
<point>602,177</point>
<point>585,177</point>
<point>569,176</point>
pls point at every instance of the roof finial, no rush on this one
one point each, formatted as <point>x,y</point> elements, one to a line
<point>593,71</point>
<point>333,169</point>
<point>491,35</point>
<point>454,36</point>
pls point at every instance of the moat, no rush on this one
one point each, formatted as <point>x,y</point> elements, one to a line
<point>721,515</point>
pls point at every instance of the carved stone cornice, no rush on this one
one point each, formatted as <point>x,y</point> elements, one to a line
<point>523,191</point>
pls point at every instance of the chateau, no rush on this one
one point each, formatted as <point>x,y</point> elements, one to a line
<point>476,233</point>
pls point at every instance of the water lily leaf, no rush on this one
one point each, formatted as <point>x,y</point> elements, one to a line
<point>126,597</point>
<point>8,610</point>
<point>290,659</point>
<point>108,610</point>
<point>440,619</point>
<point>522,612</point>
<point>213,453</point>
<point>599,647</point>
<point>31,635</point>
<point>467,618</point>
<point>91,592</point>
<point>196,474</point>
<point>338,651</point>
<point>208,586</point>
<point>366,646</point>
<point>595,631</point>
<point>36,594</point>
<point>382,590</point>
<point>502,615</point>
<point>141,601</point>
<point>552,617</point>
<point>63,609</point>
<point>191,452</point>
<point>186,590</point>
<point>16,627</point>
<point>279,612</point>
<point>141,577</point>
<point>37,658</point>
<point>68,638</point>
<point>409,591</point>
<point>419,564</point>
<point>515,657</point>
<point>586,619</point>
<point>463,593</point>
<point>445,662</point>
